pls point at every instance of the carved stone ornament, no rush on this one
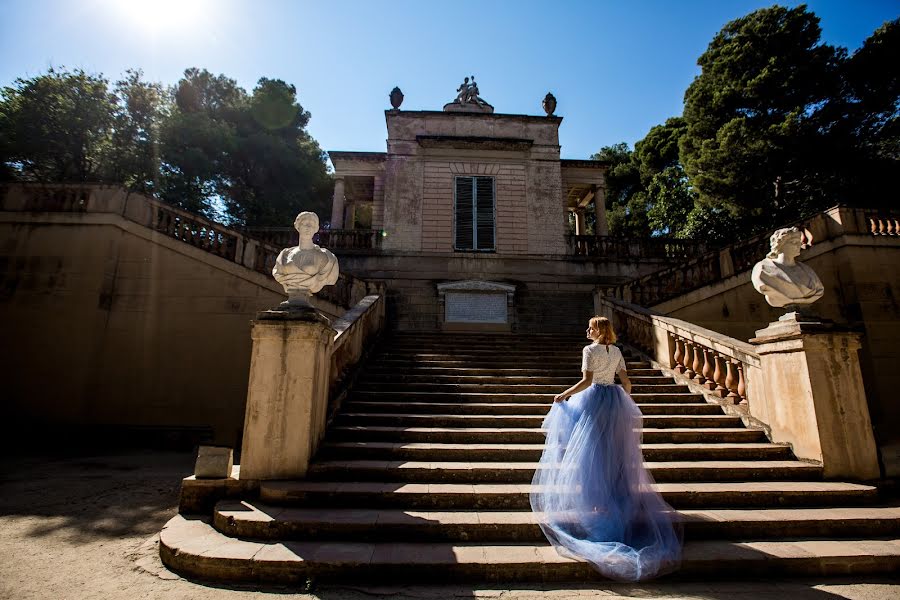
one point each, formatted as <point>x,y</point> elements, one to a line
<point>305,269</point>
<point>781,279</point>
<point>549,104</point>
<point>468,99</point>
<point>396,98</point>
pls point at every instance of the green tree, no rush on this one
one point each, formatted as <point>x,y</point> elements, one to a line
<point>751,135</point>
<point>249,156</point>
<point>133,159</point>
<point>626,204</point>
<point>56,127</point>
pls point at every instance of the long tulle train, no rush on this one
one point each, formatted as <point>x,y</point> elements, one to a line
<point>592,495</point>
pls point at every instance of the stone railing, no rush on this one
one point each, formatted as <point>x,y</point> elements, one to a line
<point>710,267</point>
<point>333,239</point>
<point>800,381</point>
<point>632,248</point>
<point>236,246</point>
<point>721,364</point>
<point>356,332</point>
<point>882,224</point>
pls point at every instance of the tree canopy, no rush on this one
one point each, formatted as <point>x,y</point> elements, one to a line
<point>777,125</point>
<point>205,144</point>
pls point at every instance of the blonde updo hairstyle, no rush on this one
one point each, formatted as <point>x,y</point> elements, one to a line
<point>604,326</point>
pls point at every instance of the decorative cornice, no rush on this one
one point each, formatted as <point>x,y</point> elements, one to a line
<point>590,164</point>
<point>473,142</point>
<point>470,115</point>
<point>360,156</point>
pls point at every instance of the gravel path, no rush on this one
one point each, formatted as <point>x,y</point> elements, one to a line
<point>85,527</point>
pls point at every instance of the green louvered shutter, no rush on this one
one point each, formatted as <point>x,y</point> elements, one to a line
<point>484,213</point>
<point>474,213</point>
<point>465,226</point>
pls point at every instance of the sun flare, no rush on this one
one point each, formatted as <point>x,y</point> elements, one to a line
<point>161,15</point>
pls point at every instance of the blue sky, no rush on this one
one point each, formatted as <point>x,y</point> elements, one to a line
<point>616,68</point>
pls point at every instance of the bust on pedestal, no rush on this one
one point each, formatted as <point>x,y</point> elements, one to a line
<point>812,392</point>
<point>287,394</point>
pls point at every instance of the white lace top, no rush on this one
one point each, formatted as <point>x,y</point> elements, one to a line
<point>602,363</point>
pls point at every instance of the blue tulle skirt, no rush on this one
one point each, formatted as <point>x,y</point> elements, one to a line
<point>591,494</point>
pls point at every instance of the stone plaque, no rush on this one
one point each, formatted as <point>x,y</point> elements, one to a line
<point>475,307</point>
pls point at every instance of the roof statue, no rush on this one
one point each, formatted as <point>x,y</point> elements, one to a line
<point>468,99</point>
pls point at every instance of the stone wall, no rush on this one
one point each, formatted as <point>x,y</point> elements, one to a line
<point>107,323</point>
<point>553,294</point>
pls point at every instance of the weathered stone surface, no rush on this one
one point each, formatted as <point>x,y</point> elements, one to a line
<point>213,462</point>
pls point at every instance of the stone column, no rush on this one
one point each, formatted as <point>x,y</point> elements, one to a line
<point>287,397</point>
<point>813,395</point>
<point>579,221</point>
<point>601,227</point>
<point>337,204</point>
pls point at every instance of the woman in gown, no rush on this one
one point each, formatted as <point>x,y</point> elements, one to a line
<point>592,496</point>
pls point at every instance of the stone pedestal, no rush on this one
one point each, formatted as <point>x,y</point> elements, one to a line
<point>287,396</point>
<point>814,396</point>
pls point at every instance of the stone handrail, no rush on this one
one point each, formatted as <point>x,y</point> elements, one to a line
<point>199,232</point>
<point>333,239</point>
<point>632,248</point>
<point>725,366</point>
<point>710,267</point>
<point>356,332</point>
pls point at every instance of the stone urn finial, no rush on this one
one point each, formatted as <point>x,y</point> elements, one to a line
<point>306,268</point>
<point>785,282</point>
<point>549,104</point>
<point>396,98</point>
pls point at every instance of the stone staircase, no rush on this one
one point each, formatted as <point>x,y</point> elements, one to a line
<point>425,475</point>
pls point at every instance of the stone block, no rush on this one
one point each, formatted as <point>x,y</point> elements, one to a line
<point>213,462</point>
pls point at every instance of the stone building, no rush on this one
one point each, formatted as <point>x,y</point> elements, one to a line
<point>473,220</point>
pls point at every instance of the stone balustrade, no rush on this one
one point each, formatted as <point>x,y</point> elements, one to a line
<point>633,248</point>
<point>709,267</point>
<point>801,381</point>
<point>239,247</point>
<point>721,364</point>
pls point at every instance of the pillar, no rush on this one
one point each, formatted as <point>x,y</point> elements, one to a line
<point>813,396</point>
<point>287,396</point>
<point>579,221</point>
<point>601,228</point>
<point>337,204</point>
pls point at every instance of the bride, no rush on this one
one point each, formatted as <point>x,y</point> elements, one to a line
<point>591,494</point>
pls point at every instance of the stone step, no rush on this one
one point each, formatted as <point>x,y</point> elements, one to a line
<point>523,472</point>
<point>401,396</point>
<point>406,379</point>
<point>431,451</point>
<point>536,363</point>
<point>475,371</point>
<point>511,496</point>
<point>506,388</point>
<point>192,547</point>
<point>516,435</point>
<point>513,408</point>
<point>533,421</point>
<point>260,521</point>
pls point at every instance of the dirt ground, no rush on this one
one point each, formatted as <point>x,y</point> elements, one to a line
<point>84,527</point>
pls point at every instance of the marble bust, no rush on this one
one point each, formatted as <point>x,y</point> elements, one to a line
<point>305,269</point>
<point>780,278</point>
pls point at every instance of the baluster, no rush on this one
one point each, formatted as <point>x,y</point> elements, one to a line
<point>719,376</point>
<point>698,364</point>
<point>689,359</point>
<point>731,382</point>
<point>679,355</point>
<point>742,384</point>
<point>708,369</point>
